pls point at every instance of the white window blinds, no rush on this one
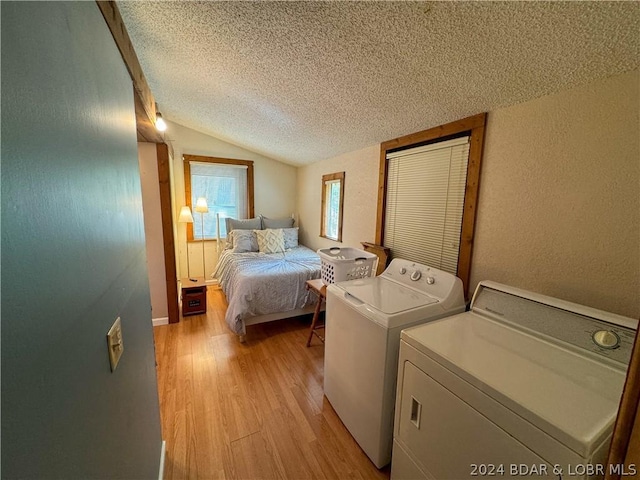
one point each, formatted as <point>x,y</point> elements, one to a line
<point>424,203</point>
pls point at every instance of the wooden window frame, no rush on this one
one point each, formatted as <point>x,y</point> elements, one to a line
<point>473,126</point>
<point>327,178</point>
<point>226,161</point>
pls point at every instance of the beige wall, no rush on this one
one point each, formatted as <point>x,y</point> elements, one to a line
<point>360,198</point>
<point>559,207</point>
<point>147,159</point>
<point>274,190</point>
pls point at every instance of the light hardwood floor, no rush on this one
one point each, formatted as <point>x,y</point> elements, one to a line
<point>249,411</point>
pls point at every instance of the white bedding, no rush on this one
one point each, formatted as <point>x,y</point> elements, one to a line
<point>260,284</point>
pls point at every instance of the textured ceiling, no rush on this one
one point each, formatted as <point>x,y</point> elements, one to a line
<point>304,81</point>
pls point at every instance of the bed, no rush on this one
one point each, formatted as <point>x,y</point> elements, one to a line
<point>262,287</point>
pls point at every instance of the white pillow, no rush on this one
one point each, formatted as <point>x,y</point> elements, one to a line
<point>270,240</point>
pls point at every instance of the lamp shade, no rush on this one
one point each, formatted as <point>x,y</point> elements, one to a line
<point>185,215</point>
<point>201,205</point>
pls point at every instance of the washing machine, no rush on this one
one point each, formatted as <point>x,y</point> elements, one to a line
<point>363,320</point>
<point>521,385</point>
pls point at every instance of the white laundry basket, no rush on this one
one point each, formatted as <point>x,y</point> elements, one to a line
<point>340,264</point>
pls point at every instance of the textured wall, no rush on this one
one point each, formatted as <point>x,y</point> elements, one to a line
<point>559,202</point>
<point>360,198</point>
<point>73,253</point>
<point>274,189</point>
<point>148,160</point>
<point>559,207</point>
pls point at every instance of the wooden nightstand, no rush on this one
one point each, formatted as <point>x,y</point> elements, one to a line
<point>194,296</point>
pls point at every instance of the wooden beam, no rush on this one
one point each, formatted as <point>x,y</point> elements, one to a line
<point>144,102</point>
<point>166,209</point>
<point>145,108</point>
<point>146,128</point>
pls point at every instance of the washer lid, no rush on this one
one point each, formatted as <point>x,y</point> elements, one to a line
<point>385,295</point>
<point>571,397</point>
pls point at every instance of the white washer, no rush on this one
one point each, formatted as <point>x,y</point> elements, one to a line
<point>362,338</point>
<point>521,385</point>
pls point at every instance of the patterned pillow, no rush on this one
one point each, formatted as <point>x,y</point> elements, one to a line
<point>290,237</point>
<point>270,240</point>
<point>277,222</point>
<point>244,241</point>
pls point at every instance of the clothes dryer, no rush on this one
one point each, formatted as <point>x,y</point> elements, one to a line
<point>521,385</point>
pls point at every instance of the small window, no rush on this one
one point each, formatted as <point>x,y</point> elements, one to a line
<point>332,200</point>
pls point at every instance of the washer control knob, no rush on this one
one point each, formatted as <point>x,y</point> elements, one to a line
<point>403,270</point>
<point>431,280</point>
<point>606,339</point>
<point>415,276</point>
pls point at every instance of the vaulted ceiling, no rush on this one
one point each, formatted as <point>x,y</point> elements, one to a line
<point>304,81</point>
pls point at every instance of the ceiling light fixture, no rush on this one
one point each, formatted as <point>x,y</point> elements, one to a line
<point>161,125</point>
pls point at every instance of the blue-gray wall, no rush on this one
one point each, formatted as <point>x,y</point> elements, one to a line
<point>73,253</point>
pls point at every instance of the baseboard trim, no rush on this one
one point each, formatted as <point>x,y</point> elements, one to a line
<point>163,449</point>
<point>160,321</point>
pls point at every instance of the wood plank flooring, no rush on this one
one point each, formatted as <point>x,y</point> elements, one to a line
<point>249,411</point>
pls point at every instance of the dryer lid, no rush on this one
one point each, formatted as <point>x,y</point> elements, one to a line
<point>385,295</point>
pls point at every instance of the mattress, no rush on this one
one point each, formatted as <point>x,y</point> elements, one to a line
<point>261,284</point>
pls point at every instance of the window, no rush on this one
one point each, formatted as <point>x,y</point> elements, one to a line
<point>439,222</point>
<point>425,195</point>
<point>332,200</point>
<point>226,184</point>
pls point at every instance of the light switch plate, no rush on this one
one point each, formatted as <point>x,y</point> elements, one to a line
<point>114,343</point>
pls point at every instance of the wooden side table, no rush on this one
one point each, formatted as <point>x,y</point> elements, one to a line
<point>194,296</point>
<point>320,289</point>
